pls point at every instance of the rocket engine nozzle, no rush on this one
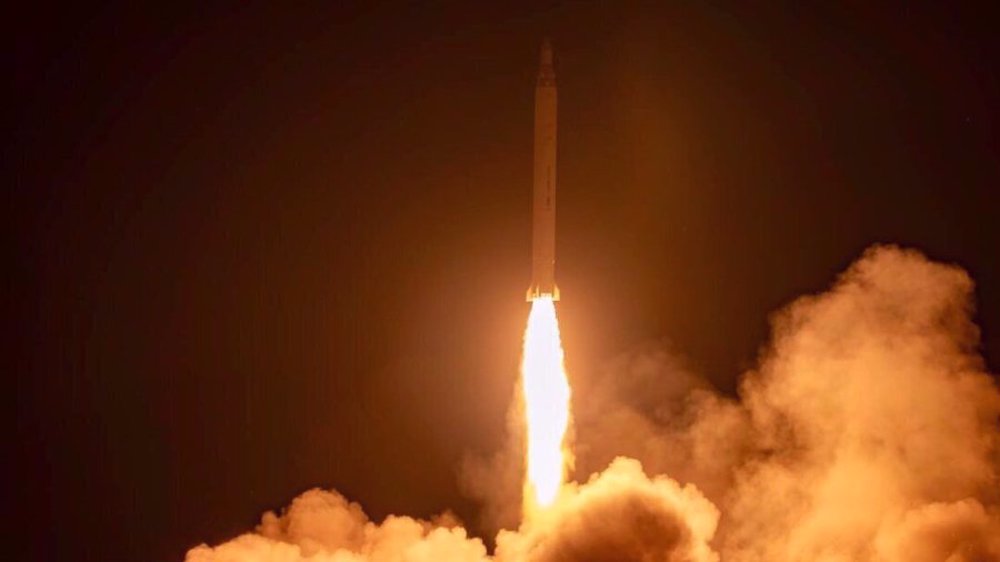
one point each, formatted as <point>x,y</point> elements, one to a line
<point>535,292</point>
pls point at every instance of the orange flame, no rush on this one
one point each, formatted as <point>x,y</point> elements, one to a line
<point>546,400</point>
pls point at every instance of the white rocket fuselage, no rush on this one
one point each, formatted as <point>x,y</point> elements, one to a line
<point>543,246</point>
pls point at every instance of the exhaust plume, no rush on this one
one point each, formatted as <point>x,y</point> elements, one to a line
<point>546,407</point>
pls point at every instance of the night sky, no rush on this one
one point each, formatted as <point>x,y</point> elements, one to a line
<point>258,250</point>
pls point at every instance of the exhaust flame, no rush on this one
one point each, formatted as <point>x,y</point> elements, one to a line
<point>546,403</point>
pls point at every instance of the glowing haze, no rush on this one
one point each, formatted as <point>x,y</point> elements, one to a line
<point>546,405</point>
<point>868,432</point>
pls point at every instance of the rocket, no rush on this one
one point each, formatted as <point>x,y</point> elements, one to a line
<point>543,242</point>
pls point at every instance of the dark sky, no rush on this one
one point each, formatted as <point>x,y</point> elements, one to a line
<point>259,249</point>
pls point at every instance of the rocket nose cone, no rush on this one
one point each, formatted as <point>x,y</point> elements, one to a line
<point>546,56</point>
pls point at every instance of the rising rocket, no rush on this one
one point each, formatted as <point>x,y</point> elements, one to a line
<point>543,242</point>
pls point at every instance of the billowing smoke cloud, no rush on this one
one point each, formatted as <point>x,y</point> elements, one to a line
<point>869,432</point>
<point>648,405</point>
<point>874,424</point>
<point>617,515</point>
<point>323,526</point>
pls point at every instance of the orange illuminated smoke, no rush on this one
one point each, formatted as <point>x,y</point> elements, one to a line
<point>546,400</point>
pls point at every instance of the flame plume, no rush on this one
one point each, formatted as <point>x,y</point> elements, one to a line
<point>546,401</point>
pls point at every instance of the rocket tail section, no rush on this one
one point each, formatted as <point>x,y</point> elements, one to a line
<point>535,292</point>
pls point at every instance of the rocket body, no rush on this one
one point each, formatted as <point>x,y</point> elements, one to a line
<point>543,243</point>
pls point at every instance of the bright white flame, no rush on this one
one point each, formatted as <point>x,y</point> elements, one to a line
<point>546,401</point>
